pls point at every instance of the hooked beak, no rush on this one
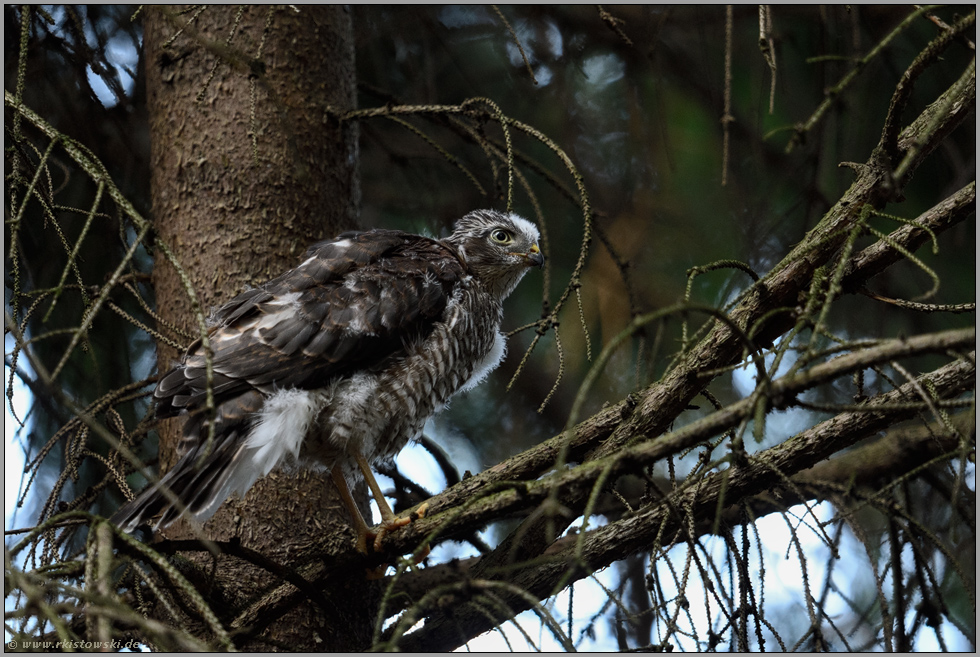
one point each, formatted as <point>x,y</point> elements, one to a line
<point>534,257</point>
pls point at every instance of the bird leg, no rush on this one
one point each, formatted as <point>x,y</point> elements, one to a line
<point>389,520</point>
<point>360,527</point>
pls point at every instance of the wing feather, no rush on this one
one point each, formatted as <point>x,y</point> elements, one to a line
<point>353,303</point>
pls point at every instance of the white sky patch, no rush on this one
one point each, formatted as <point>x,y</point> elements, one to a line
<point>602,70</point>
<point>123,57</point>
<point>14,448</point>
<point>744,378</point>
<point>588,596</point>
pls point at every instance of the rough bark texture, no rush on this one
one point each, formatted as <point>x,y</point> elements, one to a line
<point>236,212</point>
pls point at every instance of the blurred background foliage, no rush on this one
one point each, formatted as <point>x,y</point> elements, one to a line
<point>636,99</point>
<point>635,95</point>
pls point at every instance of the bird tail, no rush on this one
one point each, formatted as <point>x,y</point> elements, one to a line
<point>200,482</point>
<point>191,487</point>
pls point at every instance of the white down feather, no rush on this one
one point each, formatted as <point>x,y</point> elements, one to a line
<point>279,430</point>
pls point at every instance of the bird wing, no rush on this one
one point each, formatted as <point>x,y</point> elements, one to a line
<point>354,303</point>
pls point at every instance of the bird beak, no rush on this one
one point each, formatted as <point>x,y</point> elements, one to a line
<point>535,257</point>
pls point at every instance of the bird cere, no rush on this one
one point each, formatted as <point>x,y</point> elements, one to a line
<point>338,363</point>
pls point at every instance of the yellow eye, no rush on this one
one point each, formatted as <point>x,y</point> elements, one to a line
<point>501,236</point>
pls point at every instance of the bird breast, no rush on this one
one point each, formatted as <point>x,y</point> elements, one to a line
<point>378,412</point>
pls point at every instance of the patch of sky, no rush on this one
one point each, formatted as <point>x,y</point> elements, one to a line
<point>15,435</point>
<point>525,37</point>
<point>554,39</point>
<point>528,36</point>
<point>122,55</point>
<point>744,379</point>
<point>784,562</point>
<point>850,580</point>
<point>141,366</point>
<point>588,633</point>
<point>15,456</point>
<point>780,424</point>
<point>603,69</point>
<point>929,641</point>
<point>462,16</point>
<point>543,75</point>
<point>588,593</point>
<point>600,149</point>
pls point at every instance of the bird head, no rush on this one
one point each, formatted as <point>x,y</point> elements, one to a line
<point>497,248</point>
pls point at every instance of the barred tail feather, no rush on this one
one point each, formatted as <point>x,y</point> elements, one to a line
<point>198,490</point>
<point>249,443</point>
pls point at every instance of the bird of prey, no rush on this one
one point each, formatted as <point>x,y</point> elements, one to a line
<point>338,363</point>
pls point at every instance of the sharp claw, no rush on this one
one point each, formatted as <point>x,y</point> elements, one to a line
<point>388,526</point>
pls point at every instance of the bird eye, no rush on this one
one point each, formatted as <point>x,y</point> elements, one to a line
<point>501,236</point>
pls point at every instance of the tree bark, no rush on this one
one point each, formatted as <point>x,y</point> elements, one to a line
<point>248,169</point>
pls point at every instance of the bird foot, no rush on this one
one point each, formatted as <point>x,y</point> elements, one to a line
<point>376,535</point>
<point>391,524</point>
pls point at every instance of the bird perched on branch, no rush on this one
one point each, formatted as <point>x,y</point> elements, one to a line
<point>338,363</point>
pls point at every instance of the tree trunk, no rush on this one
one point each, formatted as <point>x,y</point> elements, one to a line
<point>248,169</point>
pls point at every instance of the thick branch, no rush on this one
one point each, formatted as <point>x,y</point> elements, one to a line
<point>888,459</point>
<point>455,622</point>
<point>592,433</point>
<point>936,122</point>
<point>450,513</point>
<point>879,256</point>
<point>903,90</point>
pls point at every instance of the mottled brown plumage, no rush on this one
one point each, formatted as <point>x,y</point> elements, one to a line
<point>338,363</point>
